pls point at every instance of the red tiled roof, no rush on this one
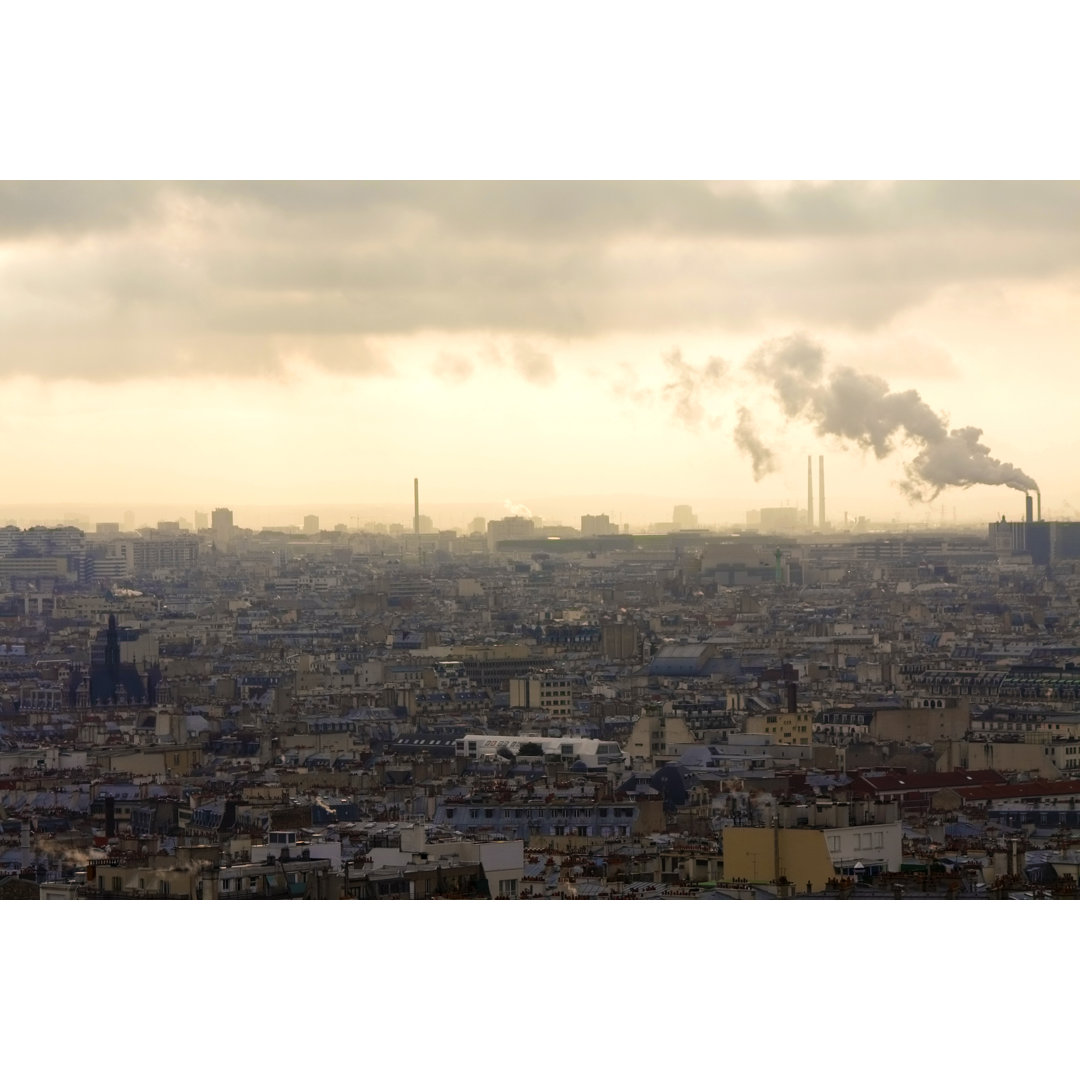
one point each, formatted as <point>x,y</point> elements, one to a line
<point>899,782</point>
<point>1035,789</point>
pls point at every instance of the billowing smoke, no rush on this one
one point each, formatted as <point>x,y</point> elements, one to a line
<point>748,441</point>
<point>687,385</point>
<point>862,409</point>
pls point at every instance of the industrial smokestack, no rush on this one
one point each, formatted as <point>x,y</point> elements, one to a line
<point>416,507</point>
<point>1038,504</point>
<point>1028,509</point>
<point>821,491</point>
<point>809,491</point>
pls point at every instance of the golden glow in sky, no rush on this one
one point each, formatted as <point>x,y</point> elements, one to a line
<point>560,344</point>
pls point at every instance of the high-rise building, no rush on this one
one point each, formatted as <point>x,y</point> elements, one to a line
<point>597,525</point>
<point>311,524</point>
<point>221,524</point>
<point>683,517</point>
<point>509,528</point>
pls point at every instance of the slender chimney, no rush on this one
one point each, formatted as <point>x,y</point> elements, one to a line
<point>821,491</point>
<point>809,491</point>
<point>1038,505</point>
<point>416,507</point>
<point>1028,515</point>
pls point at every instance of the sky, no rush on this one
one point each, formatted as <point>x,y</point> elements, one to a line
<point>571,347</point>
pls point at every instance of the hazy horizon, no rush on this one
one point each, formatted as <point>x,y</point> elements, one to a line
<point>639,512</point>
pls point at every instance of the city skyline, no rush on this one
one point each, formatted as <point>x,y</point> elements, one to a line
<point>541,342</point>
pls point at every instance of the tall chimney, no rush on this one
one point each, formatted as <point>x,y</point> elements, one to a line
<point>1038,504</point>
<point>1028,509</point>
<point>809,491</point>
<point>821,491</point>
<point>416,507</point>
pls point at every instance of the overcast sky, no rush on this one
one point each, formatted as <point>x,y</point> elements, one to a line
<point>558,344</point>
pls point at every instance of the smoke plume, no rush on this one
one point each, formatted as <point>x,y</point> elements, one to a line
<point>863,410</point>
<point>747,440</point>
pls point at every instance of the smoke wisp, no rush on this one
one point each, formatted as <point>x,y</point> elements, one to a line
<point>748,441</point>
<point>687,384</point>
<point>517,509</point>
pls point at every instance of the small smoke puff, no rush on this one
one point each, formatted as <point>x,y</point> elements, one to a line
<point>517,509</point>
<point>533,365</point>
<point>687,385</point>
<point>748,441</point>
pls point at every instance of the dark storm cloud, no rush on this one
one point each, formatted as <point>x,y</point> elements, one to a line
<point>563,209</point>
<point>71,208</point>
<point>87,263</point>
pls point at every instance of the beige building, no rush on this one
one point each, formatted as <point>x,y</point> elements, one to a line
<point>786,728</point>
<point>657,736</point>
<point>548,692</point>
<point>1047,760</point>
<point>925,720</point>
<point>773,854</point>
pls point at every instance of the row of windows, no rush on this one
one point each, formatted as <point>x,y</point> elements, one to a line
<point>550,813</point>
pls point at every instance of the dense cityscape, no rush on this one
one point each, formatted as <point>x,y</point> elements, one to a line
<point>528,710</point>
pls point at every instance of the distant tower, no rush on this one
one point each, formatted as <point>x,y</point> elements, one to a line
<point>821,491</point>
<point>416,507</point>
<point>809,491</point>
<point>1028,507</point>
